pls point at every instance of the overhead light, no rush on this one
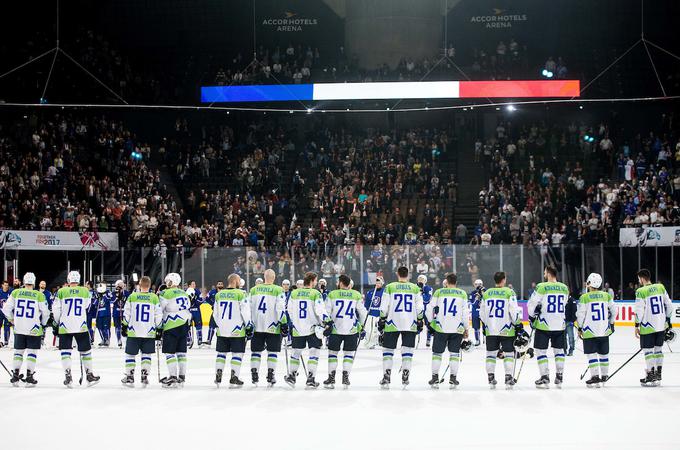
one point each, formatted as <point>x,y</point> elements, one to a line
<point>511,108</point>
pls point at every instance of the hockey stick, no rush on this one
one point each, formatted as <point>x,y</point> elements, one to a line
<point>285,350</point>
<point>6,369</point>
<point>524,356</point>
<point>80,381</point>
<point>368,314</point>
<point>623,365</point>
<point>158,360</point>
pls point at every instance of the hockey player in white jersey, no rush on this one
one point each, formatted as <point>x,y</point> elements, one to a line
<point>176,319</point>
<point>26,309</point>
<point>448,319</point>
<point>307,316</point>
<point>546,309</point>
<point>501,322</point>
<point>232,316</point>
<point>268,311</point>
<point>70,322</point>
<point>349,315</point>
<point>653,309</point>
<point>401,315</point>
<point>595,316</point>
<point>142,316</point>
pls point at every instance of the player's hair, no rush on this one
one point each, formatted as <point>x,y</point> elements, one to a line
<point>402,272</point>
<point>644,274</point>
<point>309,278</point>
<point>269,276</point>
<point>5,281</point>
<point>451,278</point>
<point>344,280</point>
<point>145,282</point>
<point>498,277</point>
<point>551,270</point>
<point>233,280</point>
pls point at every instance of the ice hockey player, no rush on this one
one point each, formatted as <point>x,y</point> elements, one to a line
<point>372,304</point>
<point>268,305</point>
<point>211,301</point>
<point>42,288</point>
<point>176,317</point>
<point>91,312</point>
<point>102,299</point>
<point>4,323</point>
<point>426,291</point>
<point>349,315</point>
<point>118,299</point>
<point>475,298</point>
<point>595,316</point>
<point>195,309</point>
<point>307,317</point>
<point>546,309</point>
<point>70,313</point>
<point>26,309</point>
<point>653,309</point>
<point>501,320</point>
<point>142,316</point>
<point>232,315</point>
<point>449,320</point>
<point>401,315</point>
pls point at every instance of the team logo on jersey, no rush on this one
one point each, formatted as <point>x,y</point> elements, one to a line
<point>376,301</point>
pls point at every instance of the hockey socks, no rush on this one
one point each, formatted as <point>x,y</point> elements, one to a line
<point>220,361</point>
<point>406,357</point>
<point>31,360</point>
<point>332,362</point>
<point>313,362</point>
<point>436,362</point>
<point>129,363</point>
<point>491,361</point>
<point>542,360</point>
<point>171,361</point>
<point>272,358</point>
<point>454,363</point>
<point>347,362</point>
<point>87,360</point>
<point>236,359</point>
<point>18,359</point>
<point>182,363</point>
<point>388,359</point>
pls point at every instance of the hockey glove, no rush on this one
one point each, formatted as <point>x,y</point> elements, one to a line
<point>362,334</point>
<point>537,310</point>
<point>284,329</point>
<point>611,325</point>
<point>328,328</point>
<point>381,324</point>
<point>249,331</point>
<point>519,329</point>
<point>669,325</point>
<point>435,310</point>
<point>419,325</point>
<point>430,328</point>
<point>124,330</point>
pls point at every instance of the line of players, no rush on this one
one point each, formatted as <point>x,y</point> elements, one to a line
<point>267,313</point>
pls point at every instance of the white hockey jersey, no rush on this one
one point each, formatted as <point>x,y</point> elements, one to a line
<point>347,311</point>
<point>142,314</point>
<point>401,305</point>
<point>27,310</point>
<point>70,309</point>
<point>652,307</point>
<point>231,312</point>
<point>306,310</point>
<point>595,313</point>
<point>268,305</point>
<point>553,297</point>
<point>452,314</point>
<point>499,312</point>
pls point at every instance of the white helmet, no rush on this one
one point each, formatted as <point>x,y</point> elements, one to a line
<point>594,280</point>
<point>73,277</point>
<point>478,283</point>
<point>299,283</point>
<point>258,281</point>
<point>285,282</point>
<point>422,279</point>
<point>29,278</point>
<point>101,288</point>
<point>120,284</point>
<point>173,279</point>
<point>322,281</point>
<point>351,283</point>
<point>241,283</point>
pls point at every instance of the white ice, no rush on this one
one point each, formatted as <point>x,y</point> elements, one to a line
<point>623,415</point>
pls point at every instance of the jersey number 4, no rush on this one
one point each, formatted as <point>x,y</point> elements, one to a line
<point>404,303</point>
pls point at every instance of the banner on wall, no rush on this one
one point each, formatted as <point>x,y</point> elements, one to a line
<point>649,236</point>
<point>58,240</point>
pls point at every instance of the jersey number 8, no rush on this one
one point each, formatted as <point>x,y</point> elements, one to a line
<point>303,309</point>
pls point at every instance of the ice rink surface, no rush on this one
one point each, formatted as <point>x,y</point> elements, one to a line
<point>622,415</point>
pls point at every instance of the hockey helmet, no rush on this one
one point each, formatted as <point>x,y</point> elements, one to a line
<point>478,283</point>
<point>594,280</point>
<point>241,283</point>
<point>173,279</point>
<point>73,277</point>
<point>101,288</point>
<point>119,284</point>
<point>285,282</point>
<point>521,342</point>
<point>29,278</point>
<point>422,279</point>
